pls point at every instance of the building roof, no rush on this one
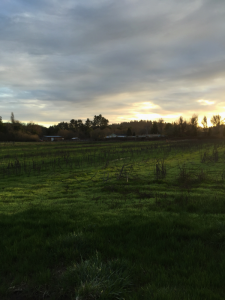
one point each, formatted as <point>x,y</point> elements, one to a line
<point>114,135</point>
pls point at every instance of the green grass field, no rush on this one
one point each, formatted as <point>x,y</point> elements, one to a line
<point>130,220</point>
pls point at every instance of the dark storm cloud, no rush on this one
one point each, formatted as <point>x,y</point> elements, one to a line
<point>81,56</point>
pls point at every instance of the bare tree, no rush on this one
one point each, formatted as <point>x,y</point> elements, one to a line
<point>204,122</point>
<point>181,120</point>
<point>182,124</point>
<point>194,124</point>
<point>194,120</point>
<point>12,118</point>
<point>216,120</point>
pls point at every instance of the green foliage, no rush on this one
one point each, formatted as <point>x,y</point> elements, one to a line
<point>169,129</point>
<point>100,122</point>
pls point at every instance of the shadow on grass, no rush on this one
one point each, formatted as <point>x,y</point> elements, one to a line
<point>49,253</point>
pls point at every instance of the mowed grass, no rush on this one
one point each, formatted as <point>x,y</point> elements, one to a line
<point>105,224</point>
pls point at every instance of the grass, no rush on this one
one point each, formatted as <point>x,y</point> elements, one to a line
<point>112,226</point>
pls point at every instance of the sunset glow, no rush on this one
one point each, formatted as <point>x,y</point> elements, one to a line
<point>125,60</point>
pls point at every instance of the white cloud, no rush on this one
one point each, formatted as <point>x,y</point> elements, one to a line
<point>119,58</point>
<point>205,102</point>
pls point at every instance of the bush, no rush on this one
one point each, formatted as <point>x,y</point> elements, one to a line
<point>67,134</point>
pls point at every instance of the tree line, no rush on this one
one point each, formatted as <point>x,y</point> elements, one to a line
<point>179,128</point>
<point>99,128</point>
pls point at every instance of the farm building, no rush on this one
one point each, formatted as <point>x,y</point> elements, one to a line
<point>52,138</point>
<point>113,135</point>
<point>149,136</point>
<point>136,137</point>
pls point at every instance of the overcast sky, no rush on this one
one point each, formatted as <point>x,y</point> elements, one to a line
<point>126,59</point>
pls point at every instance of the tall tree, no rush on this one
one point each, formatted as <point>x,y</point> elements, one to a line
<point>154,129</point>
<point>100,121</point>
<point>204,122</point>
<point>88,123</point>
<point>73,125</point>
<point>160,125</point>
<point>12,118</point>
<point>194,124</point>
<point>80,123</point>
<point>63,125</point>
<point>194,120</point>
<point>216,120</point>
<point>1,124</point>
<point>129,132</point>
<point>182,125</point>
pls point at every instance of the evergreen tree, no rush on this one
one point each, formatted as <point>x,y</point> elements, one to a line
<point>129,132</point>
<point>154,129</point>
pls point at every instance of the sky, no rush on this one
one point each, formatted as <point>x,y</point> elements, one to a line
<point>127,59</point>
